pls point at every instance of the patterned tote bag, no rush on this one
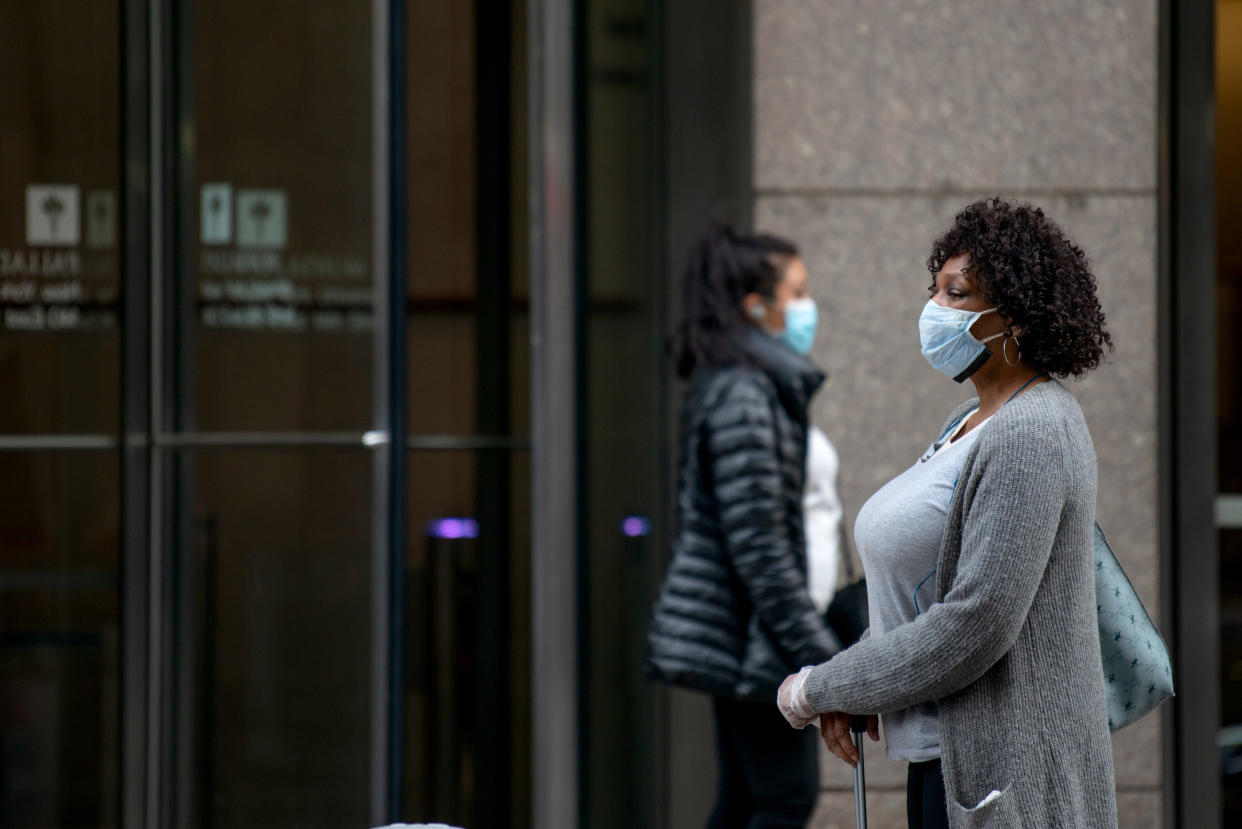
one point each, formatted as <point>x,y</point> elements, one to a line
<point>1138,675</point>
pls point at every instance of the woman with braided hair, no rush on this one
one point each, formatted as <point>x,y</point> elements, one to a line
<point>734,615</point>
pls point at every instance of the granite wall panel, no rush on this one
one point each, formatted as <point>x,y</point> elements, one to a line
<point>963,94</point>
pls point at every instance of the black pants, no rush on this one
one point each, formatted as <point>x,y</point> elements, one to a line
<point>925,803</point>
<point>769,773</point>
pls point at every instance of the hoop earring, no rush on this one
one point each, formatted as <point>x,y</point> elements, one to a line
<point>1005,350</point>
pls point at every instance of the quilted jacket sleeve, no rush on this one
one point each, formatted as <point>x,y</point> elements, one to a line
<point>742,444</point>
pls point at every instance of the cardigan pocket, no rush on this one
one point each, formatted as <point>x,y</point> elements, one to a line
<point>995,813</point>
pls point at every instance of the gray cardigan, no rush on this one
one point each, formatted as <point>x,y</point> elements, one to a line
<point>1010,650</point>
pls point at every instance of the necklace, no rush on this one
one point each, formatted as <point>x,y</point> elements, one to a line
<point>1021,389</point>
<point>1023,386</point>
<point>958,422</point>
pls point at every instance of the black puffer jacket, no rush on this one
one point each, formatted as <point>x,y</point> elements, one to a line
<point>734,617</point>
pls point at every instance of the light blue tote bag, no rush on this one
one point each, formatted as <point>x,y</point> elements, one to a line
<point>1138,675</point>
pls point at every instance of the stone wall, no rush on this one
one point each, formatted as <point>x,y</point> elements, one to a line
<point>875,121</point>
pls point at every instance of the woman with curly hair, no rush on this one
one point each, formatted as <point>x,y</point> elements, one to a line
<point>983,657</point>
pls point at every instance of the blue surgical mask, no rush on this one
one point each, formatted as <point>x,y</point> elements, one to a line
<point>948,345</point>
<point>801,320</point>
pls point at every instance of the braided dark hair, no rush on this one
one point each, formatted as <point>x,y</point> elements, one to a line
<point>725,266</point>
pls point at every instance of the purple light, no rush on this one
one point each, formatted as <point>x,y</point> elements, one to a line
<point>635,526</point>
<point>453,528</point>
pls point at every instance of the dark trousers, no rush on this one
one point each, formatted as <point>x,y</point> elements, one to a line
<point>769,773</point>
<point>925,803</point>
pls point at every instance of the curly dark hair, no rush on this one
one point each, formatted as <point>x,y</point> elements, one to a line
<point>1038,279</point>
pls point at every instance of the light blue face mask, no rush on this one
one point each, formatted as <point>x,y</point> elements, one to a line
<point>801,320</point>
<point>947,342</point>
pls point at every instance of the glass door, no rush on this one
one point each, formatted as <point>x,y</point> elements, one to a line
<point>1229,394</point>
<point>264,446</point>
<point>271,436</point>
<point>625,463</point>
<point>348,442</point>
<point>60,464</point>
<point>466,692</point>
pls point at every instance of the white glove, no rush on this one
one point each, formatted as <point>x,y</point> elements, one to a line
<point>791,699</point>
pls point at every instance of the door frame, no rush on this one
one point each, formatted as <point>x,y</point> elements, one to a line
<point>1187,407</point>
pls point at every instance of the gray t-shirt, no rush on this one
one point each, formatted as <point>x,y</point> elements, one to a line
<point>898,532</point>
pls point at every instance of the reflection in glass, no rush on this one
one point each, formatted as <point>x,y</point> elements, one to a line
<point>1231,672</point>
<point>277,318</point>
<point>274,632</point>
<point>468,617</point>
<point>466,296</point>
<point>1229,242</point>
<point>59,176</point>
<point>442,268</point>
<point>623,426</point>
<point>1229,388</point>
<point>59,656</point>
